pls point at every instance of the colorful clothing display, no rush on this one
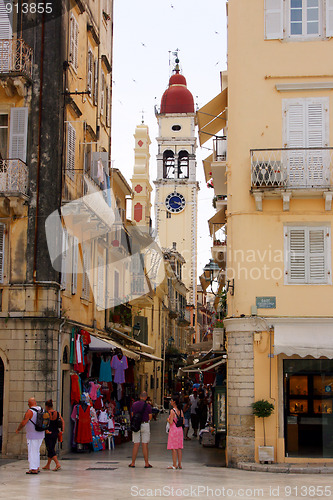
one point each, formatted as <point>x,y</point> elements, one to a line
<point>119,366</point>
<point>105,374</point>
<point>75,389</point>
<point>83,431</point>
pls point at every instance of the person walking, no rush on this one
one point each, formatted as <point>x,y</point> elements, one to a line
<point>143,434</point>
<point>51,435</point>
<point>194,415</point>
<point>187,417</point>
<point>176,435</point>
<point>34,438</point>
<point>202,411</point>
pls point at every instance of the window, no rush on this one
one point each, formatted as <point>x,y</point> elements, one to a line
<point>3,136</point>
<point>107,105</point>
<point>90,69</point>
<point>75,251</point>
<point>306,126</point>
<point>168,164</point>
<point>18,134</point>
<point>183,165</point>
<point>96,82</point>
<point>102,93</point>
<point>2,252</point>
<point>64,259</point>
<point>100,282</point>
<point>85,275</point>
<point>298,19</point>
<point>74,39</point>
<point>307,255</point>
<point>71,142</point>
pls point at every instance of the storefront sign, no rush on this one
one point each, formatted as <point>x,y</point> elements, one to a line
<point>266,302</point>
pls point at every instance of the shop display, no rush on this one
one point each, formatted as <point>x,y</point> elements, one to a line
<point>102,392</point>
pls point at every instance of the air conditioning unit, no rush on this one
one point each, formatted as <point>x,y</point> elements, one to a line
<point>218,339</point>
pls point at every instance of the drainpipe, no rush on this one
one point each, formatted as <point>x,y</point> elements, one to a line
<point>63,321</point>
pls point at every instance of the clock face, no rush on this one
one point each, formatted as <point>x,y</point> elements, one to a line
<point>175,202</point>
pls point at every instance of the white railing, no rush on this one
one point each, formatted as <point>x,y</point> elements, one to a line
<point>15,57</point>
<point>296,168</point>
<point>13,176</point>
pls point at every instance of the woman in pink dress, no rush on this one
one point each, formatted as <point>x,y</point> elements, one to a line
<point>176,436</point>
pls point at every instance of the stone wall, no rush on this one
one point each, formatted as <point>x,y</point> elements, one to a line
<point>240,395</point>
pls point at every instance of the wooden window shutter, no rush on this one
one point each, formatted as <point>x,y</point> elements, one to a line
<point>317,264</point>
<point>85,274</point>
<point>317,136</point>
<point>74,42</point>
<point>107,105</point>
<point>329,18</point>
<point>90,70</point>
<point>273,19</point>
<point>64,253</point>
<point>71,144</point>
<point>75,251</point>
<point>2,252</point>
<point>102,93</point>
<point>6,22</point>
<point>18,133</point>
<point>100,282</point>
<point>96,82</point>
<point>296,254</point>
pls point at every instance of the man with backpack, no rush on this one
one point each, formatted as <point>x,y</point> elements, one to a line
<point>34,419</point>
<point>141,416</point>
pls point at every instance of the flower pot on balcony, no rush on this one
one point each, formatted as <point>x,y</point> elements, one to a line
<point>266,454</point>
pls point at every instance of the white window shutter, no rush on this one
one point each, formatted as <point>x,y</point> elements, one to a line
<point>64,253</point>
<point>18,133</point>
<point>296,255</point>
<point>317,136</point>
<point>96,82</point>
<point>107,105</point>
<point>273,19</point>
<point>71,144</point>
<point>6,21</point>
<point>295,137</point>
<point>102,93</point>
<point>329,18</point>
<point>317,254</point>
<point>2,252</point>
<point>74,42</point>
<point>74,264</point>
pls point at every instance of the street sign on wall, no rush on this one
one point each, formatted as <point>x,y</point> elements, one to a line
<point>266,302</point>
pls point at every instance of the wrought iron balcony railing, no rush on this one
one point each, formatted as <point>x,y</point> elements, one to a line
<point>13,176</point>
<point>15,57</point>
<point>293,168</point>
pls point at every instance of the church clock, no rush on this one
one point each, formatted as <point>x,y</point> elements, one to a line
<point>175,202</point>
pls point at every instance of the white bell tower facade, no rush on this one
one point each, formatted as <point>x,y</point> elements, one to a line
<point>176,197</point>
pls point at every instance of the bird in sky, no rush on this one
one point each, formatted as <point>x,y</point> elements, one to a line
<point>143,45</point>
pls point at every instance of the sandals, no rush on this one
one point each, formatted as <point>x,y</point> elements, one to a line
<point>171,467</point>
<point>32,472</point>
<point>132,466</point>
<point>148,466</point>
<point>57,468</point>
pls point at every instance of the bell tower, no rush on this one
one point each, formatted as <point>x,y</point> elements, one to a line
<point>176,196</point>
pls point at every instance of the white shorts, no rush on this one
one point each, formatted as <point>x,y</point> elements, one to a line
<point>143,434</point>
<point>186,422</point>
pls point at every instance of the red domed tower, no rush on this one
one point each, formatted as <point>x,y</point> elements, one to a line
<point>176,185</point>
<point>177,98</point>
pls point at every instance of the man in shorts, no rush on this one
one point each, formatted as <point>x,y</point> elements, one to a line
<point>143,434</point>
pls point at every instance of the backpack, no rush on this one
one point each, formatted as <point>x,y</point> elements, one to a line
<point>137,419</point>
<point>180,421</point>
<point>42,420</point>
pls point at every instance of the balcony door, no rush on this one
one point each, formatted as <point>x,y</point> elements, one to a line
<point>306,126</point>
<point>6,33</point>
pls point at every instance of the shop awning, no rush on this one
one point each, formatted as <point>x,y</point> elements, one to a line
<point>200,366</point>
<point>144,347</point>
<point>149,357</point>
<point>215,365</point>
<point>102,344</point>
<point>212,116</point>
<point>304,340</point>
<point>219,179</point>
<point>201,346</point>
<point>207,163</point>
<point>217,221</point>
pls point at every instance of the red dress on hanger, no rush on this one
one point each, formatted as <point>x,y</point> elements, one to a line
<point>83,434</point>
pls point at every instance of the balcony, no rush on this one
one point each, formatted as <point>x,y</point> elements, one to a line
<point>297,172</point>
<point>15,62</point>
<point>220,148</point>
<point>13,186</point>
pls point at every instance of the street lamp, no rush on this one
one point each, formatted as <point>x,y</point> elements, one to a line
<point>211,271</point>
<point>136,329</point>
<point>170,341</point>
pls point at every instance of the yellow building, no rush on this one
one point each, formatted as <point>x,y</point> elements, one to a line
<point>277,115</point>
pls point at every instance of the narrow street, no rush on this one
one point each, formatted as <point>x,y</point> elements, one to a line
<point>106,475</point>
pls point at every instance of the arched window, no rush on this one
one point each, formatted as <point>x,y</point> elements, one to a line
<point>168,164</point>
<point>183,165</point>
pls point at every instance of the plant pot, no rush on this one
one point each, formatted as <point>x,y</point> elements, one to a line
<point>266,454</point>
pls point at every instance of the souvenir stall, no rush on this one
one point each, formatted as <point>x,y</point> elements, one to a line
<point>102,391</point>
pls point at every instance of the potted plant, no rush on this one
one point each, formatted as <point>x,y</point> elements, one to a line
<point>262,409</point>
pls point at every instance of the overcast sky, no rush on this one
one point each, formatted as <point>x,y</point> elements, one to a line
<point>146,32</point>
